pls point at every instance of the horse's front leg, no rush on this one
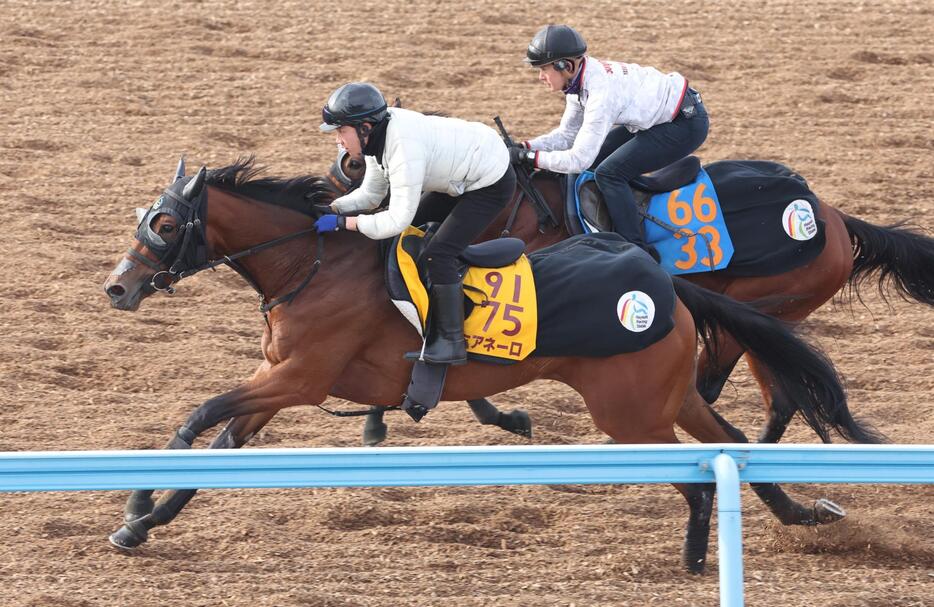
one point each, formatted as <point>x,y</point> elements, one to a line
<point>140,502</point>
<point>256,402</point>
<point>235,434</point>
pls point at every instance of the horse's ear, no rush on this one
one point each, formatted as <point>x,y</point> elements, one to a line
<point>194,186</point>
<point>140,213</point>
<point>180,171</point>
<point>397,103</point>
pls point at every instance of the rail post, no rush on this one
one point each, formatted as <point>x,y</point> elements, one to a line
<point>729,531</point>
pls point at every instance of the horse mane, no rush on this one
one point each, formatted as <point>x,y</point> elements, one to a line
<point>245,178</point>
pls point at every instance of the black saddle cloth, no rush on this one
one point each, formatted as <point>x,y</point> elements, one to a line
<point>753,195</point>
<point>579,283</point>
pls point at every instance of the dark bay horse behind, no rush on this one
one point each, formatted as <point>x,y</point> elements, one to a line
<point>251,224</point>
<point>857,254</point>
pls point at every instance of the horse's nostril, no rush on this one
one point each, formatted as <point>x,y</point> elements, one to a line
<point>115,291</point>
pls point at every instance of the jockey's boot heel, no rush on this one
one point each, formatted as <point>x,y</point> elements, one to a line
<point>445,344</point>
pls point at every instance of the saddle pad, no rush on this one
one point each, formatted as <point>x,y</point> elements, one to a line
<point>702,241</point>
<point>501,316</point>
<point>599,295</point>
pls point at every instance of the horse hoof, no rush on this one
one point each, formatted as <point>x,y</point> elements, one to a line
<point>695,567</point>
<point>374,434</point>
<point>518,422</point>
<point>825,511</point>
<point>127,539</point>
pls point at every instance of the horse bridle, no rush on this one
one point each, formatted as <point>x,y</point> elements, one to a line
<point>342,182</point>
<point>187,214</point>
<point>191,244</point>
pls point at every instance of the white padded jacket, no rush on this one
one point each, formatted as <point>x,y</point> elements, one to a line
<point>423,154</point>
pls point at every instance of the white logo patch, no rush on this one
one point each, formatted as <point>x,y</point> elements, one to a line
<point>798,220</point>
<point>635,311</point>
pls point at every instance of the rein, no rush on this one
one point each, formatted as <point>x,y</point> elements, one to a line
<point>265,306</point>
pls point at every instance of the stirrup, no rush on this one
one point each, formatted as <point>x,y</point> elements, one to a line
<point>420,357</point>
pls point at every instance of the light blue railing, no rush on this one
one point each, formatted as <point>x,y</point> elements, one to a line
<point>727,465</point>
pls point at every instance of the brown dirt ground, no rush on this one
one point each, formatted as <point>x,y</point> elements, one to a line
<point>98,99</point>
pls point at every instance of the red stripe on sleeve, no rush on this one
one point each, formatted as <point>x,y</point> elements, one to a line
<point>680,99</point>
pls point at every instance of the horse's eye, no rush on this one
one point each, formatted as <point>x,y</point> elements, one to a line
<point>355,164</point>
<point>166,229</point>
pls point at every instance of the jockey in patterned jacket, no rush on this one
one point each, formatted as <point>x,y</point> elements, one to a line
<point>407,153</point>
<point>621,120</point>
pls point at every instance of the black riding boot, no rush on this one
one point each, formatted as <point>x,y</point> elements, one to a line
<point>445,344</point>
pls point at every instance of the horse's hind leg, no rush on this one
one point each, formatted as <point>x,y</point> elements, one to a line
<point>374,428</point>
<point>636,399</point>
<point>706,425</point>
<point>516,421</point>
<point>713,372</point>
<point>235,434</point>
<point>779,409</point>
<point>780,413</point>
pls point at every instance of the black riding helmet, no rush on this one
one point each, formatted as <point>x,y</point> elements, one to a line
<point>353,103</point>
<point>554,42</point>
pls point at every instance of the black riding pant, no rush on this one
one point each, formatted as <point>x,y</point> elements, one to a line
<point>463,218</point>
<point>626,155</point>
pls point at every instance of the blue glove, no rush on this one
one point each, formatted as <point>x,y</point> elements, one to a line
<point>330,223</point>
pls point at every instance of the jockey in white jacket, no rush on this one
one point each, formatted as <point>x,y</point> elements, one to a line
<point>407,153</point>
<point>622,119</point>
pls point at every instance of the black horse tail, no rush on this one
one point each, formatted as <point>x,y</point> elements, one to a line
<point>803,374</point>
<point>891,254</point>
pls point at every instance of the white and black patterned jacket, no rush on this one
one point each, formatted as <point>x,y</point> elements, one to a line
<point>611,93</point>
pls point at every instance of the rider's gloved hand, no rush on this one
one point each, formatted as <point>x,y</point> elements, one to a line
<point>330,223</point>
<point>522,156</point>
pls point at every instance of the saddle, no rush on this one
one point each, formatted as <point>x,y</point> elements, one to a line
<point>499,299</point>
<point>496,276</point>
